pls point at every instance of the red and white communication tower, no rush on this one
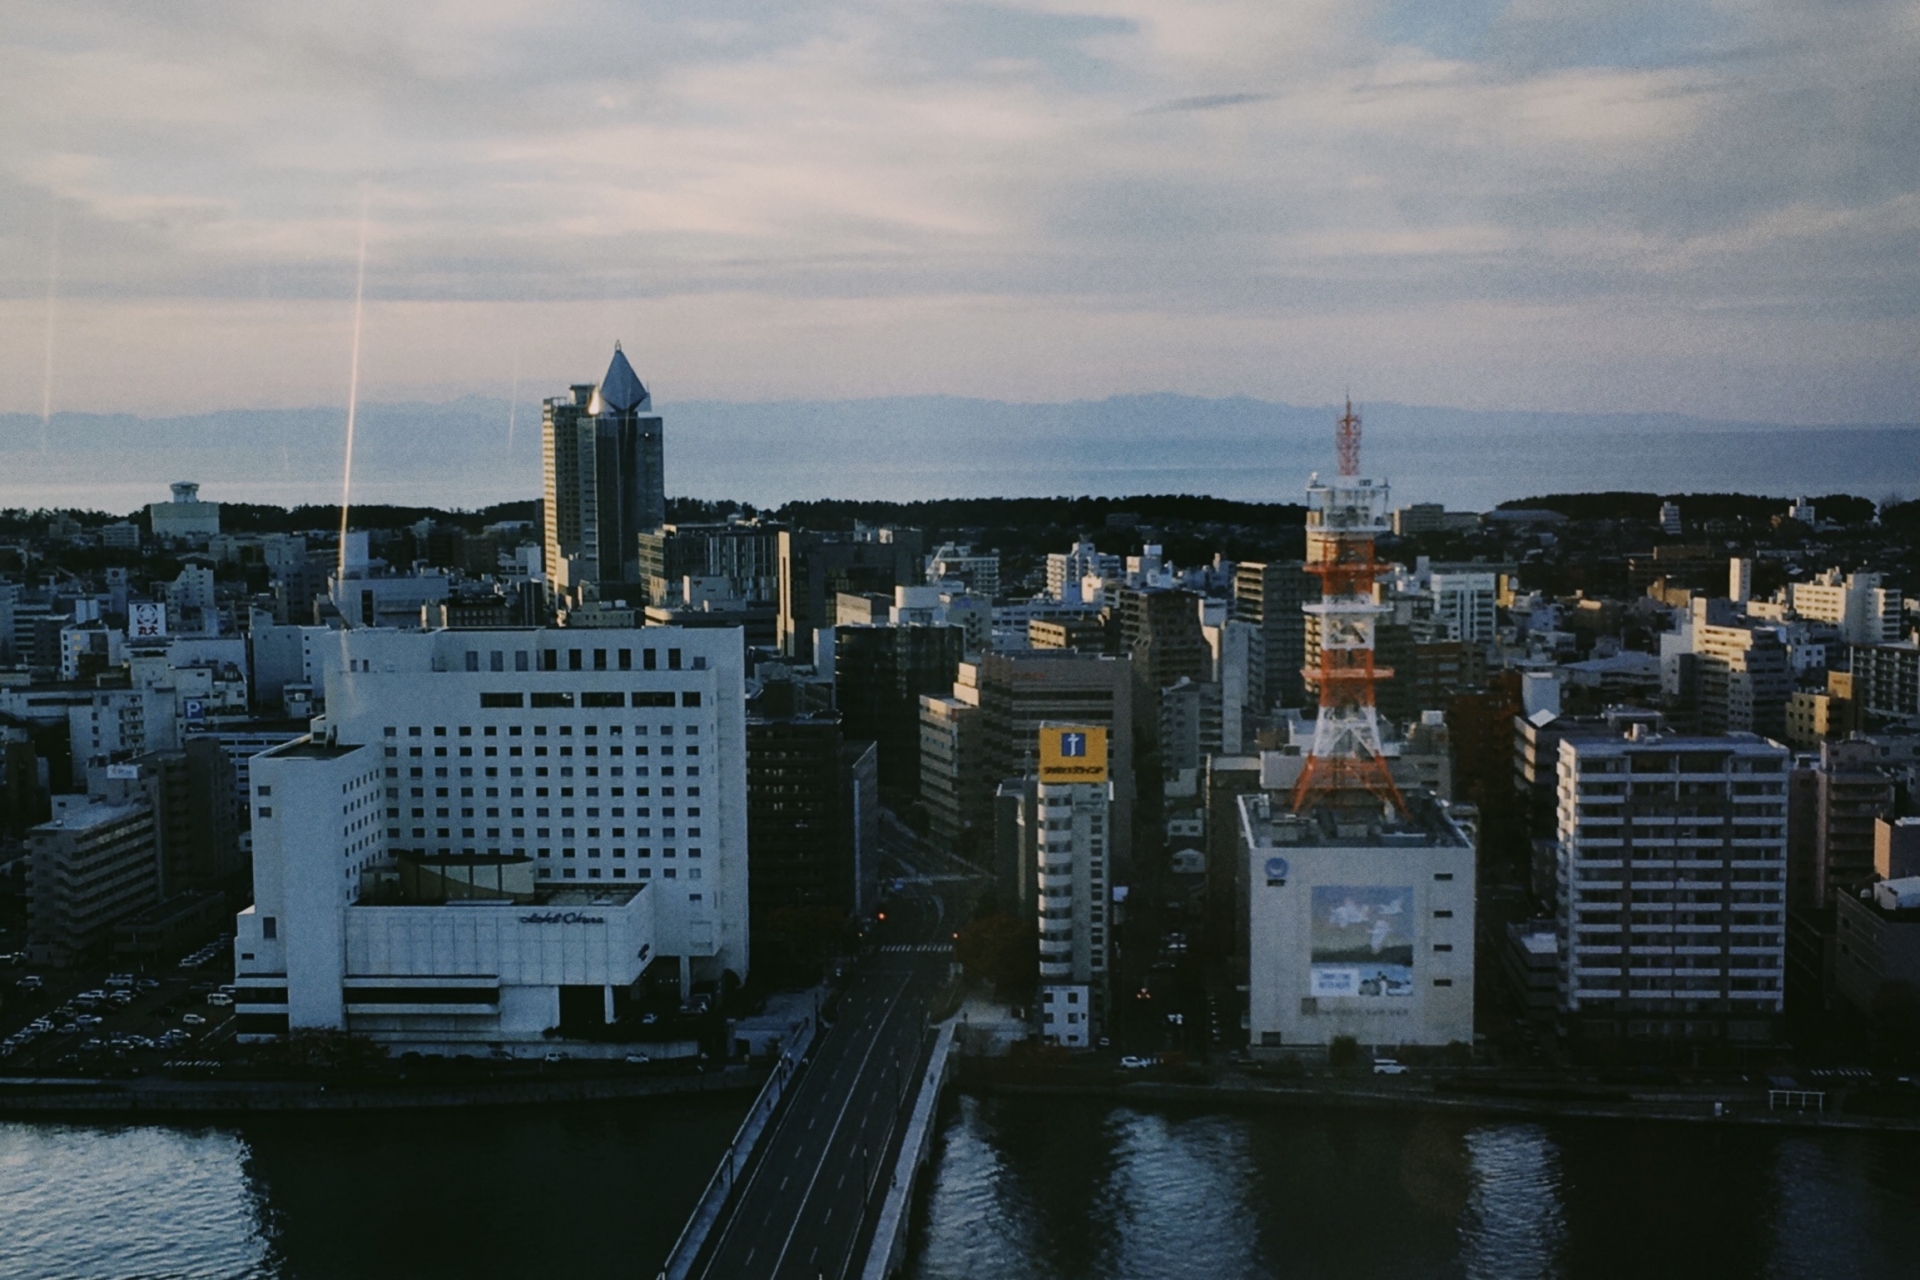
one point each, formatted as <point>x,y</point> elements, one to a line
<point>1346,767</point>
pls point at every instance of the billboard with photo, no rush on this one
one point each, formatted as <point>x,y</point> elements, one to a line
<point>1362,941</point>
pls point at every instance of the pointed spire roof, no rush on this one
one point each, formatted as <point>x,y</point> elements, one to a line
<point>621,391</point>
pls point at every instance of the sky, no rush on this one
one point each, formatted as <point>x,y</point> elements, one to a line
<point>1590,206</point>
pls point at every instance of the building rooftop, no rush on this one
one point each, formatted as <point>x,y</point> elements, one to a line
<point>308,749</point>
<point>81,817</point>
<point>1267,822</point>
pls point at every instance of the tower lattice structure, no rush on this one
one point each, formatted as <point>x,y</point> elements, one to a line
<point>1346,766</point>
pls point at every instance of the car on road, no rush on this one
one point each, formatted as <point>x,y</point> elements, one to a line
<point>192,1020</point>
<point>1389,1067</point>
<point>219,998</point>
<point>554,1055</point>
<point>1132,1063</point>
<point>148,984</point>
<point>638,1059</point>
<point>32,982</point>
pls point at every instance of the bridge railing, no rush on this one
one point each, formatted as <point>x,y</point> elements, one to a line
<point>700,1223</point>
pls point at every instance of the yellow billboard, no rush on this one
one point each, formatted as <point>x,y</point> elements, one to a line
<point>1073,753</point>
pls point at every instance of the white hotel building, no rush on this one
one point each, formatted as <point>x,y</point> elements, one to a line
<point>494,833</point>
<point>1672,887</point>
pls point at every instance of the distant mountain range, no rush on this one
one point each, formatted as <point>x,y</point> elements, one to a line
<point>479,450</point>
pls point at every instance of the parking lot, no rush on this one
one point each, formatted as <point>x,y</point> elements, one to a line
<point>114,1020</point>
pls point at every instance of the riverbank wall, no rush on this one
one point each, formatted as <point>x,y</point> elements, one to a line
<point>1733,1107</point>
<point>63,1097</point>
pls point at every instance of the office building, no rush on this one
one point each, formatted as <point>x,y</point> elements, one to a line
<point>1270,597</point>
<point>1069,835</point>
<point>1356,928</point>
<point>1672,888</point>
<point>812,806</point>
<point>949,736</point>
<point>816,567</point>
<point>191,794</point>
<point>1019,692</point>
<point>90,867</point>
<point>498,833</point>
<point>1159,630</point>
<point>686,564</point>
<point>603,454</point>
<point>1432,517</point>
<point>880,674</point>
<point>960,567</point>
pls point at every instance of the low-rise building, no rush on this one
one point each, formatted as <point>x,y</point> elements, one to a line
<point>1357,929</point>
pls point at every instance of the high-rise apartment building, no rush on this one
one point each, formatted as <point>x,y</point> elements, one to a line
<point>602,451</point>
<point>1070,836</point>
<point>1463,603</point>
<point>1672,887</point>
<point>738,561</point>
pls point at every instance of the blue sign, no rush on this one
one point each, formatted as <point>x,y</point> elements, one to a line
<point>1277,870</point>
<point>1073,744</point>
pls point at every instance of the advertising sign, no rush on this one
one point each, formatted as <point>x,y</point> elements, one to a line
<point>1362,942</point>
<point>146,621</point>
<point>1073,753</point>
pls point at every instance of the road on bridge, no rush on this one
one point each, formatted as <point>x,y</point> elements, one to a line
<point>799,1211</point>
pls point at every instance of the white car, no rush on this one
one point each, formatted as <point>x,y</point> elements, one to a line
<point>192,1020</point>
<point>1388,1067</point>
<point>1131,1063</point>
<point>219,998</point>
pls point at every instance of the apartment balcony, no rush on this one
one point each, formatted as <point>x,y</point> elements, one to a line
<point>1055,947</point>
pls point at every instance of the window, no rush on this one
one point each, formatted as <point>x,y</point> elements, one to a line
<point>269,927</point>
<point>553,700</point>
<point>493,700</point>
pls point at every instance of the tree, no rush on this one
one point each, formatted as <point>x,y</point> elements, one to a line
<point>1001,950</point>
<point>1343,1055</point>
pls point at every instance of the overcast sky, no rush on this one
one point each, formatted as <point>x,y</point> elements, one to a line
<point>1588,205</point>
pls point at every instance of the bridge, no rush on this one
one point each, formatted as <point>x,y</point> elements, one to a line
<point>803,1204</point>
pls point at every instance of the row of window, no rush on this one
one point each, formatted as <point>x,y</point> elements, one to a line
<point>541,730</point>
<point>566,700</point>
<point>579,660</point>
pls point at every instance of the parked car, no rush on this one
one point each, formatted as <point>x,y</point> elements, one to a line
<point>1132,1063</point>
<point>192,1020</point>
<point>638,1059</point>
<point>1388,1067</point>
<point>219,998</point>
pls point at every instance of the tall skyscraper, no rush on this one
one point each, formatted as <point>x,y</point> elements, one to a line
<point>601,449</point>
<point>1069,836</point>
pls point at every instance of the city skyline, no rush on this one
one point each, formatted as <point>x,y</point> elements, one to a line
<point>1633,209</point>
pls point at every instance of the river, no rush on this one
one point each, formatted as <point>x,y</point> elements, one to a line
<point>1048,1189</point>
<point>1060,1189</point>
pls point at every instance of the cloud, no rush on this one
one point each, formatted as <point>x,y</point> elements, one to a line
<point>791,175</point>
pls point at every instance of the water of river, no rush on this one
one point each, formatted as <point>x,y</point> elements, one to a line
<point>469,1194</point>
<point>1061,1189</point>
<point>1050,1189</point>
